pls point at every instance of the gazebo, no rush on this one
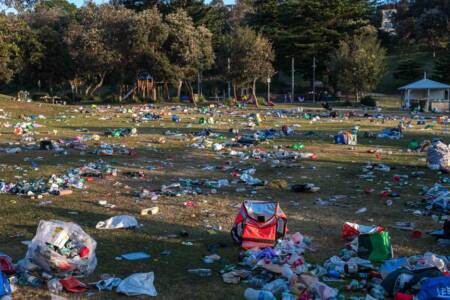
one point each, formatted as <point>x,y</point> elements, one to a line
<point>426,93</point>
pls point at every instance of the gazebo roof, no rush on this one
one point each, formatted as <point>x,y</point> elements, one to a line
<point>425,84</point>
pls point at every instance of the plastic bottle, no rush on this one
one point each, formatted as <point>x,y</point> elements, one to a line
<point>287,272</point>
<point>31,280</point>
<point>277,286</point>
<point>288,296</point>
<point>201,272</point>
<point>252,294</point>
<point>377,292</point>
<point>255,282</point>
<point>54,286</point>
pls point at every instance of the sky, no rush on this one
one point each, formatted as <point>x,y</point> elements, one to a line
<point>80,2</point>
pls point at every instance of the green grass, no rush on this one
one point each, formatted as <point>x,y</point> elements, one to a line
<point>336,171</point>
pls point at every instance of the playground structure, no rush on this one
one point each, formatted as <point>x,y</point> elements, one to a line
<point>144,87</point>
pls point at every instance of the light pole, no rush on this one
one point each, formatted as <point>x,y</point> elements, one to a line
<point>293,79</point>
<point>314,79</point>
<point>229,83</point>
<point>268,89</point>
<point>199,84</point>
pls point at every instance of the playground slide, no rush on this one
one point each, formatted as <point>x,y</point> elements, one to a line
<point>129,94</point>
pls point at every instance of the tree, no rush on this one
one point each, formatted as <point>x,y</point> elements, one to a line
<point>188,48</point>
<point>408,70</point>
<point>359,64</point>
<point>424,21</point>
<point>433,29</point>
<point>442,66</point>
<point>8,51</point>
<point>251,57</point>
<point>93,58</point>
<point>19,47</point>
<point>65,6</point>
<point>49,23</point>
<point>307,28</point>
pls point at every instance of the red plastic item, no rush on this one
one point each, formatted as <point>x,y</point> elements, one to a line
<point>314,156</point>
<point>84,252</point>
<point>396,178</point>
<point>73,285</point>
<point>6,265</point>
<point>384,194</point>
<point>401,296</point>
<point>416,234</point>
<point>189,204</point>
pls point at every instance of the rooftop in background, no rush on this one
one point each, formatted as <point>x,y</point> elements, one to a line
<point>424,84</point>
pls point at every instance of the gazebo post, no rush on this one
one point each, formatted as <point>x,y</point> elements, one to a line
<point>428,100</point>
<point>448,99</point>
<point>408,98</point>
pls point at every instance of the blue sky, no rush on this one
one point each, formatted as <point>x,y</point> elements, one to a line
<point>80,2</point>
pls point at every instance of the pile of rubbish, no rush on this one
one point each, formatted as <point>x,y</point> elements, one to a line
<point>113,150</point>
<point>121,132</point>
<point>25,128</point>
<point>58,185</point>
<point>59,249</point>
<point>279,270</point>
<point>390,133</point>
<point>346,138</point>
<point>438,156</point>
<point>147,117</point>
<point>437,197</point>
<point>282,270</point>
<point>59,255</point>
<point>274,156</point>
<point>187,186</point>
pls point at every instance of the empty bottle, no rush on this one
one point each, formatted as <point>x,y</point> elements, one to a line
<point>252,294</point>
<point>288,296</point>
<point>201,272</point>
<point>255,282</point>
<point>277,286</point>
<point>54,286</point>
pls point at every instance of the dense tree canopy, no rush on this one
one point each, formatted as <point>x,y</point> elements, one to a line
<point>53,45</point>
<point>359,63</point>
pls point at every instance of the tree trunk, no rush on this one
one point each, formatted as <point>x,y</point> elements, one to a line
<point>191,92</point>
<point>234,92</point>
<point>166,91</point>
<point>254,93</point>
<point>87,90</point>
<point>180,84</point>
<point>154,96</point>
<point>50,85</point>
<point>98,85</point>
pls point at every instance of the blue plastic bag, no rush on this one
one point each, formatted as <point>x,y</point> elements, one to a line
<point>437,288</point>
<point>5,287</point>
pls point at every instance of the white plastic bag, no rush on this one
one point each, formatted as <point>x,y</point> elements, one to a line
<point>138,284</point>
<point>117,222</point>
<point>62,249</point>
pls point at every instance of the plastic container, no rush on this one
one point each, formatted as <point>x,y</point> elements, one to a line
<point>252,294</point>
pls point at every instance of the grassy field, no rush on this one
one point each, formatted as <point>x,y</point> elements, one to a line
<point>337,171</point>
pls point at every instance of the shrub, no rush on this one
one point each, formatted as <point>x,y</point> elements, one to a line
<point>37,95</point>
<point>229,101</point>
<point>369,101</point>
<point>175,99</point>
<point>201,100</point>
